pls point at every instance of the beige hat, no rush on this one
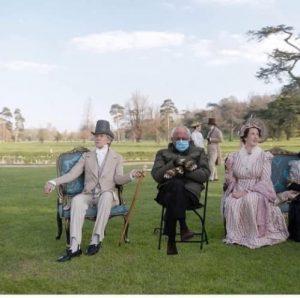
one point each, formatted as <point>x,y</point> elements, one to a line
<point>195,124</point>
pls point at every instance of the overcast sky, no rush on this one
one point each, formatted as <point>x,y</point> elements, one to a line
<point>57,54</point>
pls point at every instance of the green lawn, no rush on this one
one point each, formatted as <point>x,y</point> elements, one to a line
<point>46,153</point>
<point>29,250</point>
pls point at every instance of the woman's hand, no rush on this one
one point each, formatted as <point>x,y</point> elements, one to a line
<point>238,194</point>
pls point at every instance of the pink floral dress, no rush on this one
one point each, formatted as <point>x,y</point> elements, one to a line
<point>252,220</point>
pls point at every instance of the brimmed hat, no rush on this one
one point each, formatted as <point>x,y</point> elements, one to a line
<point>254,123</point>
<point>195,124</point>
<point>211,121</point>
<point>103,126</point>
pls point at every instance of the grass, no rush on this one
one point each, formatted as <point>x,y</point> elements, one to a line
<point>29,250</point>
<point>46,153</point>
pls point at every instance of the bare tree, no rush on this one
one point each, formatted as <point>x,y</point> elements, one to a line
<point>151,126</point>
<point>230,114</point>
<point>87,122</point>
<point>136,111</point>
<point>257,102</point>
<point>42,134</point>
<point>117,113</point>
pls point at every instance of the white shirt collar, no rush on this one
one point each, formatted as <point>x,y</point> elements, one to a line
<point>102,151</point>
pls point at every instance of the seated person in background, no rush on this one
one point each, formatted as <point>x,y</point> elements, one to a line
<point>248,207</point>
<point>180,171</point>
<point>103,170</point>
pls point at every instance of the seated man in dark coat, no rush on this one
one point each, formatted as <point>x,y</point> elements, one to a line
<point>180,170</point>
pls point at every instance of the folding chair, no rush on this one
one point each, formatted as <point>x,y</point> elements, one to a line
<point>200,212</point>
<point>66,192</point>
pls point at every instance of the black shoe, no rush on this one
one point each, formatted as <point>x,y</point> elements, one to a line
<point>69,255</point>
<point>186,234</point>
<point>172,249</point>
<point>93,249</point>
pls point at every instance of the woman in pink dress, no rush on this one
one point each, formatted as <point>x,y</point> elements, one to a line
<point>248,208</point>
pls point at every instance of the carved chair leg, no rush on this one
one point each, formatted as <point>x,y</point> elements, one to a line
<point>67,227</point>
<point>59,226</point>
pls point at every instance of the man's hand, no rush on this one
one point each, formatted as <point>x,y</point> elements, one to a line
<point>137,173</point>
<point>190,165</point>
<point>49,187</point>
<point>179,161</point>
<point>178,171</point>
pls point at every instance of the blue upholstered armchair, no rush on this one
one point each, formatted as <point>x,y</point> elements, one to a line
<point>280,171</point>
<point>66,192</point>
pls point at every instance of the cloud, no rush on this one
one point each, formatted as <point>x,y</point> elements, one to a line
<point>234,48</point>
<point>20,65</point>
<point>202,48</point>
<point>258,3</point>
<point>224,49</point>
<point>113,41</point>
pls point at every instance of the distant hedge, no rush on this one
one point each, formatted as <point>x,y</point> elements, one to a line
<point>30,158</point>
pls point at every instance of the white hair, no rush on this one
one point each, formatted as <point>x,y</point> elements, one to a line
<point>110,139</point>
<point>180,127</point>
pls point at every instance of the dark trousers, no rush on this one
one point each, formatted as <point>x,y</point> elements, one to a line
<point>176,199</point>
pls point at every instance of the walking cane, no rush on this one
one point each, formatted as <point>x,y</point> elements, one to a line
<point>129,214</point>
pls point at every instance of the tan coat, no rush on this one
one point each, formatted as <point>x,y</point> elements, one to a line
<point>112,173</point>
<point>213,147</point>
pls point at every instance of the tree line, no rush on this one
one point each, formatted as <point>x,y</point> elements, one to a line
<point>280,111</point>
<point>138,119</point>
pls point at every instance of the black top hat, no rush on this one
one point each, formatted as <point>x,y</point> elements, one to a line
<point>211,121</point>
<point>103,126</point>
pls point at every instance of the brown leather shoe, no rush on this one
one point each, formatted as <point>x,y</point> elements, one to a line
<point>172,249</point>
<point>186,234</point>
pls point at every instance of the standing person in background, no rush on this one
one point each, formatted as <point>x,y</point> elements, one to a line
<point>214,138</point>
<point>197,136</point>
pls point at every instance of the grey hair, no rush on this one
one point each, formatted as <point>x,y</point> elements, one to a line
<point>110,139</point>
<point>181,127</point>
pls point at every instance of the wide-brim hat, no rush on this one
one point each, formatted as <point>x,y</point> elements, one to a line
<point>195,124</point>
<point>103,127</point>
<point>211,121</point>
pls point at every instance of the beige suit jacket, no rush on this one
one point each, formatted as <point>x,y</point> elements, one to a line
<point>213,147</point>
<point>112,173</point>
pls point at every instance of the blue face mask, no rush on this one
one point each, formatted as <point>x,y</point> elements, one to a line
<point>182,145</point>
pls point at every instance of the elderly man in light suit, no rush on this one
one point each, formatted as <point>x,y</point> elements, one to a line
<point>103,169</point>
